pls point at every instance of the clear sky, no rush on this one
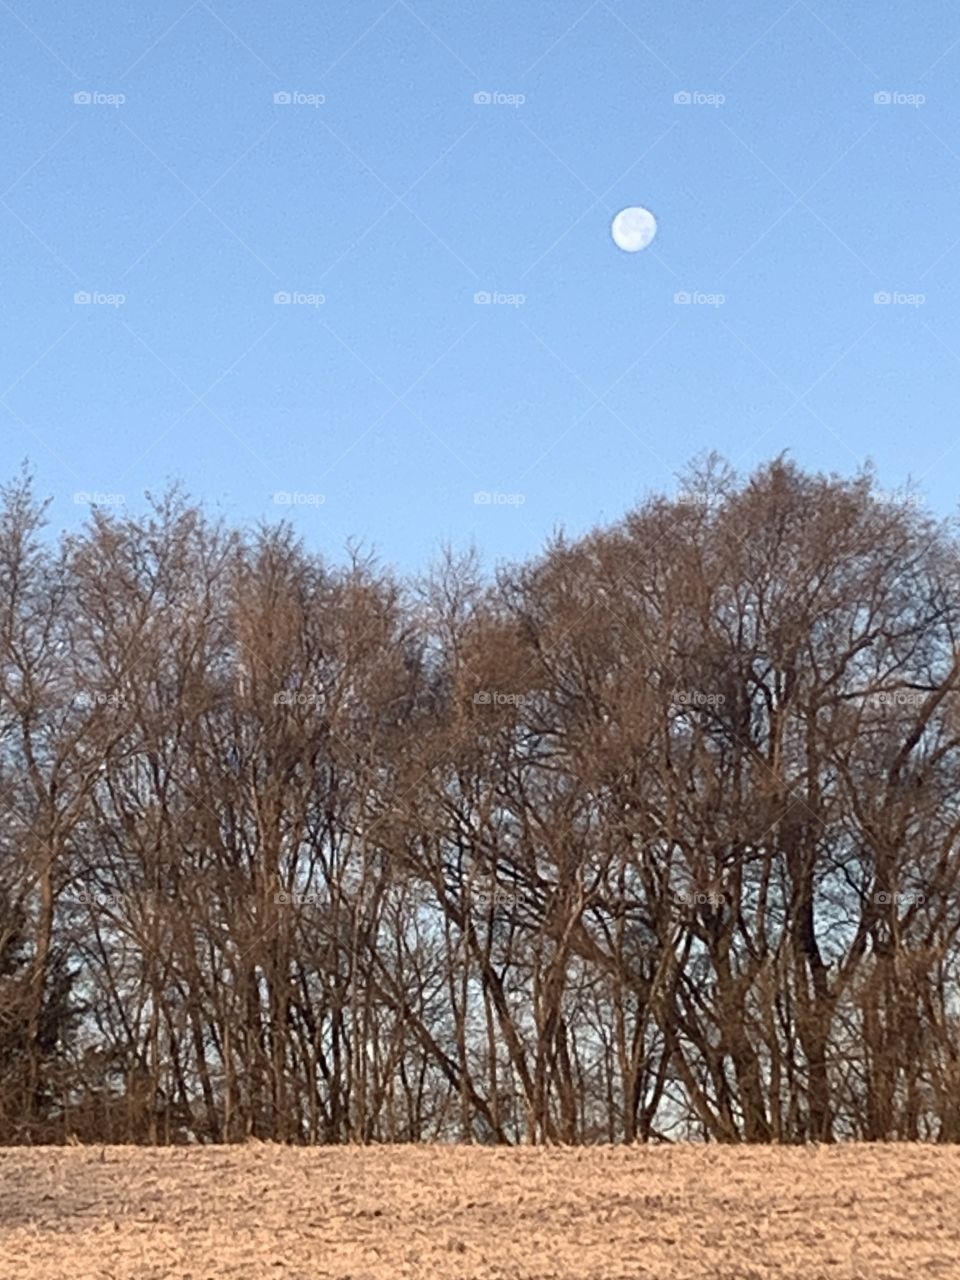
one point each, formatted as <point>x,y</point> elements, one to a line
<point>787,197</point>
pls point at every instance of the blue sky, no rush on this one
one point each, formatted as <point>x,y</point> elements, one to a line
<point>786,195</point>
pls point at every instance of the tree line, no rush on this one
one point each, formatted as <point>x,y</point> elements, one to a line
<point>652,837</point>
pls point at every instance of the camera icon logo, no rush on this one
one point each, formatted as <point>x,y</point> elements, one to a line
<point>682,298</point>
<point>883,98</point>
<point>683,98</point>
<point>281,298</point>
<point>482,99</point>
<point>282,99</point>
<point>882,299</point>
<point>82,99</point>
<point>482,298</point>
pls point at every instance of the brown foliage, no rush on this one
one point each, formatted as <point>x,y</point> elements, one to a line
<point>656,834</point>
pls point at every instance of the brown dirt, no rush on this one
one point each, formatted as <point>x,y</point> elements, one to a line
<point>664,1213</point>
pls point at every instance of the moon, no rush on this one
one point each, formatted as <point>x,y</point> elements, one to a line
<point>633,229</point>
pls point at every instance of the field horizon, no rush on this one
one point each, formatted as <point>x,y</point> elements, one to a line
<point>847,1211</point>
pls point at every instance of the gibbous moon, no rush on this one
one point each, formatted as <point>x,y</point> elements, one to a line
<point>633,229</point>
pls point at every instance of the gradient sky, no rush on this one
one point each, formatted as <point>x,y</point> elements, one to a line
<point>787,189</point>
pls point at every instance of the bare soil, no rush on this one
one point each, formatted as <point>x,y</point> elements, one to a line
<point>459,1213</point>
